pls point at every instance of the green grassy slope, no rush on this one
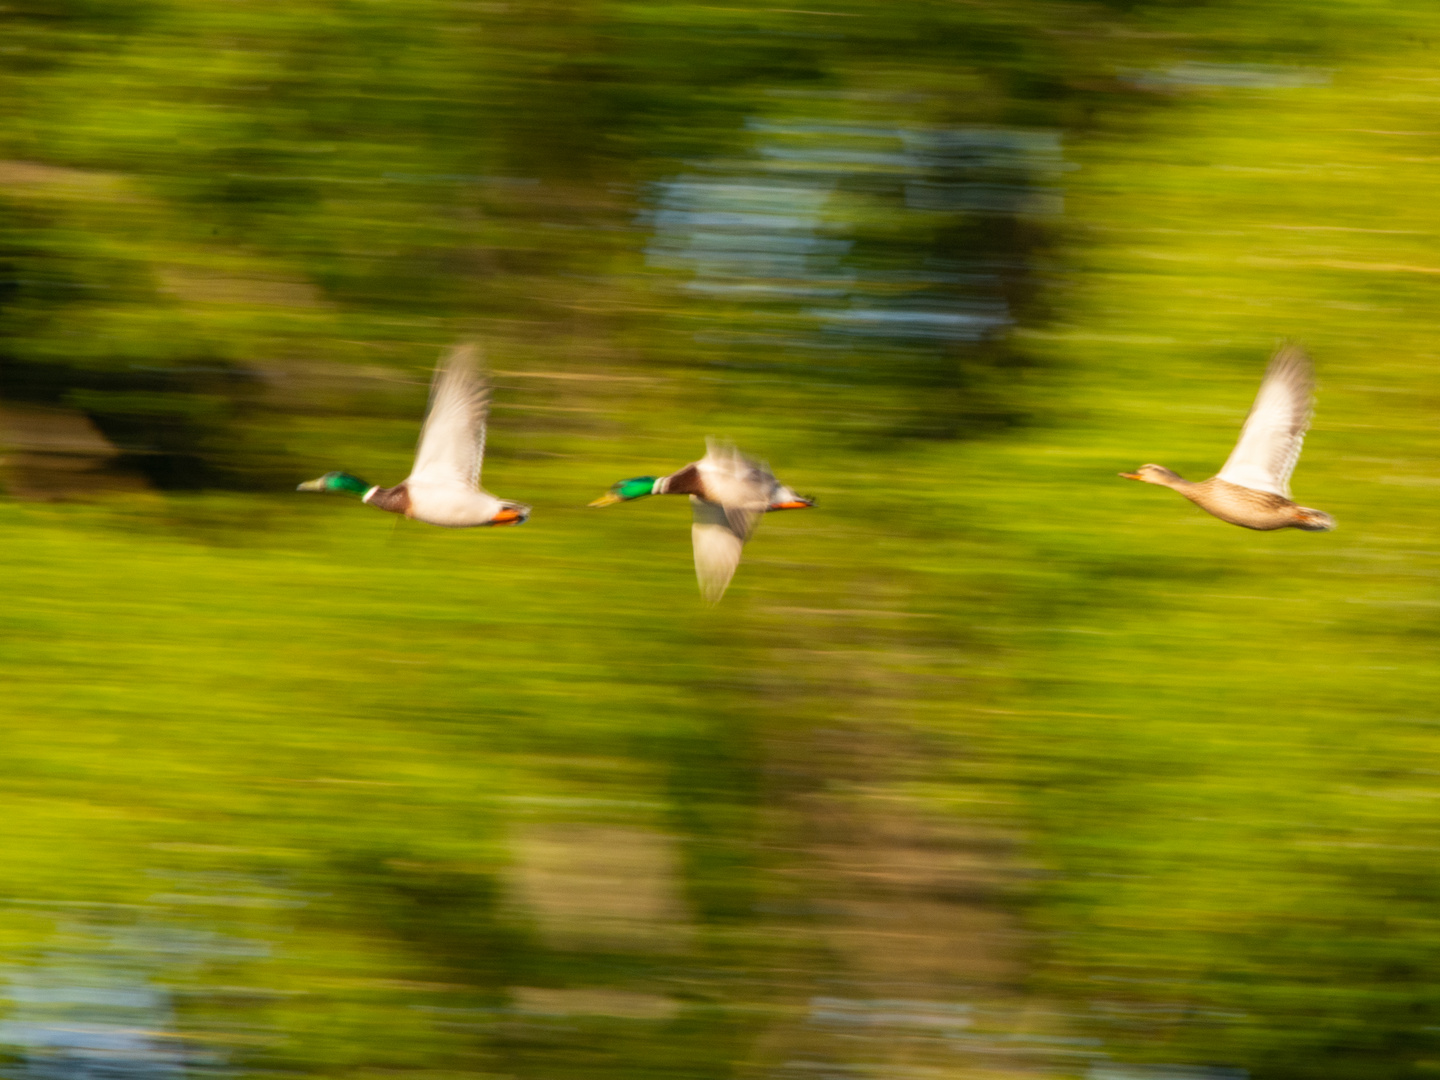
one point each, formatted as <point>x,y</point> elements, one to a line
<point>337,784</point>
<point>1229,734</point>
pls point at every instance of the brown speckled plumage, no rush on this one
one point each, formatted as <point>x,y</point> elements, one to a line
<point>1253,489</point>
<point>1246,507</point>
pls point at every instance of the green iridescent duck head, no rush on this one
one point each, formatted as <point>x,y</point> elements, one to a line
<point>625,490</point>
<point>337,483</point>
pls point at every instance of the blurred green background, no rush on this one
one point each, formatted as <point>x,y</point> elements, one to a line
<point>990,766</point>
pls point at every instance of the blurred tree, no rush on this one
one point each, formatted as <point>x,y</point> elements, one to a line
<point>212,188</point>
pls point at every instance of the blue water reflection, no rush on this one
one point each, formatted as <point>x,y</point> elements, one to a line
<point>872,228</point>
<point>101,1002</point>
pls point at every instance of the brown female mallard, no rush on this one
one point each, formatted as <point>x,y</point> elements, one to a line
<point>1253,489</point>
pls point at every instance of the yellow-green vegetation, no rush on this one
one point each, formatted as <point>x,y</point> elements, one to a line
<point>991,763</point>
<point>1231,736</point>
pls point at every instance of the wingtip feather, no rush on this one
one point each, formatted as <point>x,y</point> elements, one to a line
<point>1292,363</point>
<point>465,354</point>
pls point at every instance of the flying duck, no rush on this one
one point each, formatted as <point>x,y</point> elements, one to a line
<point>1253,489</point>
<point>728,493</point>
<point>443,487</point>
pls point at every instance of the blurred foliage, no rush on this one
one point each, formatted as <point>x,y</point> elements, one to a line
<point>194,188</point>
<point>990,765</point>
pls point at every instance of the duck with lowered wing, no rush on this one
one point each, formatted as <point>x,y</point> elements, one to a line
<point>728,494</point>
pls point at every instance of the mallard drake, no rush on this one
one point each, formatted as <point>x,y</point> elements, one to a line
<point>1253,489</point>
<point>728,493</point>
<point>443,487</point>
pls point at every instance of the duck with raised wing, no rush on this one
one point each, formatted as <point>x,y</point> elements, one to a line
<point>728,494</point>
<point>443,487</point>
<point>1253,489</point>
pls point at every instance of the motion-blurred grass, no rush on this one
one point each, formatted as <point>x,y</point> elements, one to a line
<point>989,728</point>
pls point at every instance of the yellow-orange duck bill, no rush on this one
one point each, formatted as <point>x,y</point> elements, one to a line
<point>793,504</point>
<point>606,499</point>
<point>1132,476</point>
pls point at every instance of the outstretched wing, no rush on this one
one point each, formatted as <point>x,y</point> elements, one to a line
<point>739,484</point>
<point>452,442</point>
<point>717,548</point>
<point>1270,441</point>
